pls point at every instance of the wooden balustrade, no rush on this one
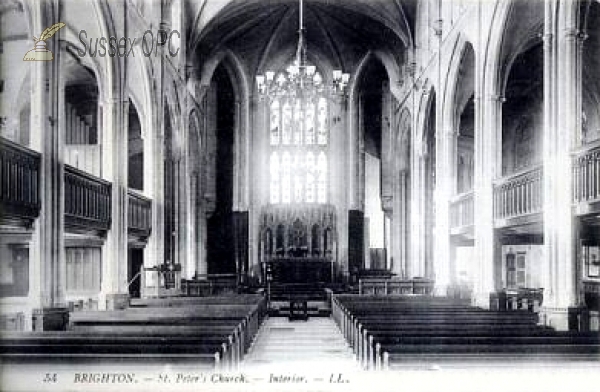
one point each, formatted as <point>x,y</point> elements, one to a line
<point>87,200</point>
<point>519,194</point>
<point>19,180</point>
<point>462,210</point>
<point>586,174</point>
<point>139,213</point>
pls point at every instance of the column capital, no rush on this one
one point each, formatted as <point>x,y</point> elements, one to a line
<point>570,32</point>
<point>496,98</point>
<point>582,36</point>
<point>451,133</point>
<point>114,101</point>
<point>546,37</point>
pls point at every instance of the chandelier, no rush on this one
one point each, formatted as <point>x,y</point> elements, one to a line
<point>301,79</point>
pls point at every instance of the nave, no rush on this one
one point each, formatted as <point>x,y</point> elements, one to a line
<point>362,332</point>
<point>420,179</point>
<point>231,343</point>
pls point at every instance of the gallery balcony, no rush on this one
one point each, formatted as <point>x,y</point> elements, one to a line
<point>87,201</point>
<point>19,182</point>
<point>462,215</point>
<point>519,198</point>
<point>586,179</point>
<point>139,214</point>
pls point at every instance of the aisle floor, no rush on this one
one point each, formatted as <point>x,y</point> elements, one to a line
<point>311,343</point>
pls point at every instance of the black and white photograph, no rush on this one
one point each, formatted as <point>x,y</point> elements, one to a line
<point>300,195</point>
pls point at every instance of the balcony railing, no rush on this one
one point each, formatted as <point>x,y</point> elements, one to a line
<point>519,194</point>
<point>19,180</point>
<point>139,213</point>
<point>586,174</point>
<point>462,210</point>
<point>87,200</point>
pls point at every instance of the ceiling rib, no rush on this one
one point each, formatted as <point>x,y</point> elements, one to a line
<point>275,33</point>
<point>330,41</point>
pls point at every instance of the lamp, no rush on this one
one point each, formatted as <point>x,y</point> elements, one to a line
<point>300,79</point>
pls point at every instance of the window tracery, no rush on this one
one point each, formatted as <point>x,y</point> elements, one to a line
<point>299,138</point>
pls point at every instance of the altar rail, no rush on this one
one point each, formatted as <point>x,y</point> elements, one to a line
<point>139,213</point>
<point>519,194</point>
<point>19,179</point>
<point>209,284</point>
<point>87,200</point>
<point>586,174</point>
<point>379,286</point>
<point>462,210</point>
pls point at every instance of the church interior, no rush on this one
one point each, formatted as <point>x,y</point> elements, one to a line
<point>417,178</point>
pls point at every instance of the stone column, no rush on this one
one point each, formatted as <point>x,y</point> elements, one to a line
<point>354,202</point>
<point>260,154</point>
<point>246,237</point>
<point>114,165</point>
<point>405,226</point>
<point>395,262</point>
<point>387,225</point>
<point>47,294</point>
<point>488,132</point>
<point>154,181</point>
<point>415,266</point>
<point>444,190</point>
<point>181,205</point>
<point>561,89</point>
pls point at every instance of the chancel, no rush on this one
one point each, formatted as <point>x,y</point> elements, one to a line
<point>412,179</point>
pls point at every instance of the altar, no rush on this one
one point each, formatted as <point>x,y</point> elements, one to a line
<point>298,243</point>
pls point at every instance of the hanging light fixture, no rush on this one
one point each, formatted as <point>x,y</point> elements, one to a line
<point>301,79</point>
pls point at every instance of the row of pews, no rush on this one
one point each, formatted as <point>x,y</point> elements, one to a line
<point>388,331</point>
<point>211,332</point>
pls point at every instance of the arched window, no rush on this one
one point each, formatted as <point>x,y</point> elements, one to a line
<point>275,120</point>
<point>299,140</point>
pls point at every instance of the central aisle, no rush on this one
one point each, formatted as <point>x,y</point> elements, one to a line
<point>309,343</point>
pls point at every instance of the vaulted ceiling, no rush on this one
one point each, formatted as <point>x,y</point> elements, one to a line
<point>338,32</point>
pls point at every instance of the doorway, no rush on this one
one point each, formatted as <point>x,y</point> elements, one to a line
<point>134,265</point>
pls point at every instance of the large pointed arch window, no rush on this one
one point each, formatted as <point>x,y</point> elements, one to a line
<point>299,147</point>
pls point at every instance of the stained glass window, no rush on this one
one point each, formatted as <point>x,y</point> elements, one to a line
<point>286,130</point>
<point>275,123</point>
<point>322,122</point>
<point>309,123</point>
<point>321,171</point>
<point>310,188</point>
<point>275,177</point>
<point>298,122</point>
<point>299,138</point>
<point>285,178</point>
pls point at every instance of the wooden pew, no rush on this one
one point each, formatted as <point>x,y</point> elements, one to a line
<point>213,332</point>
<point>384,330</point>
<point>69,346</point>
<point>242,299</point>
